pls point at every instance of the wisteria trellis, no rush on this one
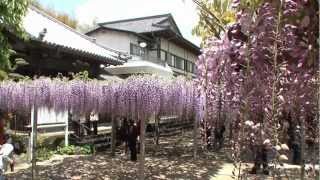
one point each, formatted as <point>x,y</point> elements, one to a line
<point>143,95</point>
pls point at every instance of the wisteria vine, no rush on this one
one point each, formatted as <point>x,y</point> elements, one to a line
<point>137,95</point>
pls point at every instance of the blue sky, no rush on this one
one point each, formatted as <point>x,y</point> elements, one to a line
<point>85,11</point>
<point>67,6</point>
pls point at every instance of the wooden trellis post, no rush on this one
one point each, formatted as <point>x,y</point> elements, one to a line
<point>195,127</point>
<point>142,150</point>
<point>157,130</point>
<point>113,136</point>
<point>34,143</point>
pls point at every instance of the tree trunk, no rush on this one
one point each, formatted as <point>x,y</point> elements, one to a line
<point>34,143</point>
<point>113,136</point>
<point>195,123</point>
<point>142,150</point>
<point>302,153</point>
<point>157,130</point>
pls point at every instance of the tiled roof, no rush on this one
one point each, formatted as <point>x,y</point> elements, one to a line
<point>138,26</point>
<point>59,34</point>
<point>143,24</point>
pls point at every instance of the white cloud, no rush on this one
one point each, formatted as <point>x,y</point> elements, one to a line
<point>183,11</point>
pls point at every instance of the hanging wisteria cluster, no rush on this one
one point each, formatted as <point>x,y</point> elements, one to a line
<point>264,68</point>
<point>137,96</point>
<point>242,63</point>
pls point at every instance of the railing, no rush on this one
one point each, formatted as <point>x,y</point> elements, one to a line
<point>151,59</point>
<point>157,61</point>
<point>80,128</point>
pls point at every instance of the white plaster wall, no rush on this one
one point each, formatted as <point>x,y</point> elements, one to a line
<point>177,50</point>
<point>49,116</point>
<point>192,57</point>
<point>115,39</point>
<point>153,54</point>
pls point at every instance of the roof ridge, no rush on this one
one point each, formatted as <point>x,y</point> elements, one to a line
<point>71,29</point>
<point>136,19</point>
<point>59,22</point>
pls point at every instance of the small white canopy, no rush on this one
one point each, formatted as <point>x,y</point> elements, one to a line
<point>140,67</point>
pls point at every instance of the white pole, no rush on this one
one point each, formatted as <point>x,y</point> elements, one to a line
<point>31,137</point>
<point>66,133</point>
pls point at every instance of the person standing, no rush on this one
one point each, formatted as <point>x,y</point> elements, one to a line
<point>75,123</point>
<point>132,140</point>
<point>94,117</point>
<point>296,146</point>
<point>84,129</point>
<point>2,125</point>
<point>124,133</point>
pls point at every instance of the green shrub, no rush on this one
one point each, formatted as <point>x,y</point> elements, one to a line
<point>50,142</point>
<point>44,153</point>
<point>74,150</point>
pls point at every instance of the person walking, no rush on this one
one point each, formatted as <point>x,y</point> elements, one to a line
<point>6,155</point>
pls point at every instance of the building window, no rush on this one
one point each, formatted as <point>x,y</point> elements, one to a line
<point>137,50</point>
<point>170,60</point>
<point>193,68</point>
<point>190,66</point>
<point>163,55</point>
<point>179,63</point>
<point>176,61</point>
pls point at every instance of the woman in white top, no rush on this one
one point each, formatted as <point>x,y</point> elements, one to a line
<point>94,117</point>
<point>6,153</point>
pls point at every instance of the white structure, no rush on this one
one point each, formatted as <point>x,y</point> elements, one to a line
<point>140,66</point>
<point>155,44</point>
<point>49,30</point>
<point>48,118</point>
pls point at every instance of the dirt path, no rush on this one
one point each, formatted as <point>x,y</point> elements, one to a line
<point>172,159</point>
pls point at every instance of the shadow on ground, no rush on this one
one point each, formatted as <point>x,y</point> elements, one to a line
<point>172,159</point>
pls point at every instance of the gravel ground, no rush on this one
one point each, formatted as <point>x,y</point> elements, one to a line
<point>172,159</point>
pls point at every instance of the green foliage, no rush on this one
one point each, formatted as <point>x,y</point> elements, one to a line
<point>84,75</point>
<point>3,75</point>
<point>16,62</point>
<point>251,5</point>
<point>214,15</point>
<point>73,150</point>
<point>50,142</point>
<point>44,153</point>
<point>48,146</point>
<point>11,15</point>
<point>61,16</point>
